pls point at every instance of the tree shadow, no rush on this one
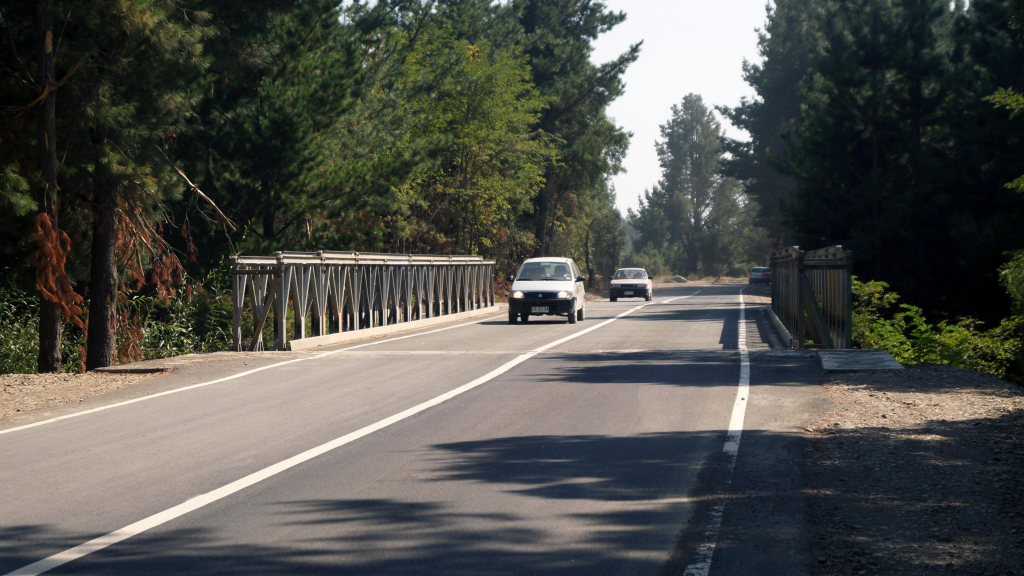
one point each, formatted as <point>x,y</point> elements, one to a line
<point>640,483</point>
<point>684,368</point>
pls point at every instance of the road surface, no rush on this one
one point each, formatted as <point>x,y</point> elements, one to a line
<point>479,448</point>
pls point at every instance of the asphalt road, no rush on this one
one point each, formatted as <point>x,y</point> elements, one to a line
<point>587,449</point>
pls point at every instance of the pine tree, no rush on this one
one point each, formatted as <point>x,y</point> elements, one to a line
<point>132,100</point>
<point>786,46</point>
<point>558,36</point>
<point>897,155</point>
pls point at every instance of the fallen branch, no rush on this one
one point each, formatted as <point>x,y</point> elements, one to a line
<point>195,189</point>
<point>50,87</point>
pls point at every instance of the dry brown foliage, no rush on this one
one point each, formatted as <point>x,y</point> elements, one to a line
<point>51,277</point>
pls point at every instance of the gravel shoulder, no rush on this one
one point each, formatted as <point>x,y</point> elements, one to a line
<point>918,472</point>
<point>21,393</point>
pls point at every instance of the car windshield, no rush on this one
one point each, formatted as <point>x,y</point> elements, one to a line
<point>627,274</point>
<point>532,271</point>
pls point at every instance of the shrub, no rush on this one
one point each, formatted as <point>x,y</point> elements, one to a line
<point>902,330</point>
<point>19,333</point>
<point>1012,277</point>
<point>196,319</point>
<point>19,330</point>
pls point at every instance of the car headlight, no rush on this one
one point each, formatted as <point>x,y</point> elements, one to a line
<point>564,294</point>
<point>517,294</point>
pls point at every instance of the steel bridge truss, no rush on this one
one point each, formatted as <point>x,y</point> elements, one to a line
<point>346,291</point>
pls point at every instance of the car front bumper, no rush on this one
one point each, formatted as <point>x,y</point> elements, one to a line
<point>617,292</point>
<point>556,306</point>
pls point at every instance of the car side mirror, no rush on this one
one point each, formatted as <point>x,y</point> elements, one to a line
<point>510,278</point>
<point>649,277</point>
<point>580,278</point>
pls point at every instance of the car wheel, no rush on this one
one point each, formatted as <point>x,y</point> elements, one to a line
<point>613,298</point>
<point>572,317</point>
<point>581,314</point>
<point>525,317</point>
<point>649,297</point>
<point>512,316</point>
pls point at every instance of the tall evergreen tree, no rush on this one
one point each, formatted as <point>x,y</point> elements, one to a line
<point>897,149</point>
<point>133,100</point>
<point>558,41</point>
<point>786,46</point>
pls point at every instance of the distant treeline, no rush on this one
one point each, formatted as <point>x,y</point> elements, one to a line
<point>142,141</point>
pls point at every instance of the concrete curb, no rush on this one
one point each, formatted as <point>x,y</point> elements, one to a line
<point>130,369</point>
<point>787,337</point>
<point>307,343</point>
<point>857,360</point>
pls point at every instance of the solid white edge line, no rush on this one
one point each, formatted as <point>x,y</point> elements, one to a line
<point>193,504</point>
<point>232,377</point>
<point>706,550</point>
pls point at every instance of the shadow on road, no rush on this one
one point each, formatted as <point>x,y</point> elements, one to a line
<point>395,536</point>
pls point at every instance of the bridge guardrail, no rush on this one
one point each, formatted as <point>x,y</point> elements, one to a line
<point>347,291</point>
<point>812,295</point>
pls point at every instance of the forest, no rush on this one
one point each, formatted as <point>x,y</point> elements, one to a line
<point>144,142</point>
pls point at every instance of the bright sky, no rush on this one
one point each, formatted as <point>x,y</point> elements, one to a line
<point>689,46</point>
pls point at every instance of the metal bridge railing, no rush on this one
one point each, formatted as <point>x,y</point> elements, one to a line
<point>812,295</point>
<point>346,291</point>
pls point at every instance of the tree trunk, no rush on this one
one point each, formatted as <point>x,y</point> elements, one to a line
<point>692,256</point>
<point>49,359</point>
<point>540,229</point>
<point>269,210</point>
<point>101,345</point>
<point>269,219</point>
<point>590,265</point>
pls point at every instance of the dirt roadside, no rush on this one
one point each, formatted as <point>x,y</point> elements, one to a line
<point>21,393</point>
<point>918,472</point>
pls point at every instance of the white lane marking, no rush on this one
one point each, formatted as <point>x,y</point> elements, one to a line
<point>702,562</point>
<point>193,504</point>
<point>232,377</point>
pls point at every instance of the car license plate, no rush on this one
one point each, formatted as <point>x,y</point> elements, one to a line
<point>627,293</point>
<point>539,309</point>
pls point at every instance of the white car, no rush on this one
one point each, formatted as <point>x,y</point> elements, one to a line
<point>632,283</point>
<point>547,287</point>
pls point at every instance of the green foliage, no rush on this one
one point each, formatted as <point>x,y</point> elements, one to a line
<point>14,187</point>
<point>1014,102</point>
<point>557,38</point>
<point>490,165</point>
<point>19,338</point>
<point>902,330</point>
<point>650,259</point>
<point>873,127</point>
<point>1012,277</point>
<point>452,126</point>
<point>764,164</point>
<point>19,335</point>
<point>196,319</point>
